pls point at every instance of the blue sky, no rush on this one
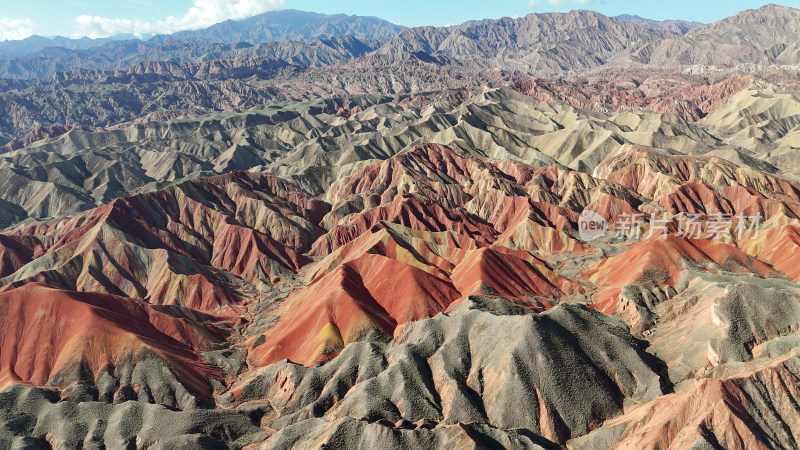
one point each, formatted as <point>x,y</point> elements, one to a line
<point>98,18</point>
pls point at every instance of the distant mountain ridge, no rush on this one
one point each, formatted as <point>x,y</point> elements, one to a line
<point>121,54</point>
<point>35,43</point>
<point>675,26</point>
<point>289,25</point>
<point>271,26</point>
<point>767,35</point>
<point>545,45</point>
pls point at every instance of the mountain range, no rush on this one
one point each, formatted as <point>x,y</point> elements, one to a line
<point>310,231</point>
<point>272,26</point>
<point>674,26</point>
<point>538,44</point>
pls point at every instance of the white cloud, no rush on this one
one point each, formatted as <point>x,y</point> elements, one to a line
<point>558,4</point>
<point>15,29</point>
<point>203,14</point>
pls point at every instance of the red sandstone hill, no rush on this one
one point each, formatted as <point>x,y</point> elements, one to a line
<point>51,334</point>
<point>173,246</point>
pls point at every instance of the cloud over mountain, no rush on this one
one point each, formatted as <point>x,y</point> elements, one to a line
<point>559,4</point>
<point>204,13</point>
<point>14,29</point>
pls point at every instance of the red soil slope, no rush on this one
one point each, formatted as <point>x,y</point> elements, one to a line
<point>170,246</point>
<point>662,261</point>
<point>369,292</point>
<point>46,330</point>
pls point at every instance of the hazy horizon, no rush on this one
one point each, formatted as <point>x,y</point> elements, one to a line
<point>143,18</point>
